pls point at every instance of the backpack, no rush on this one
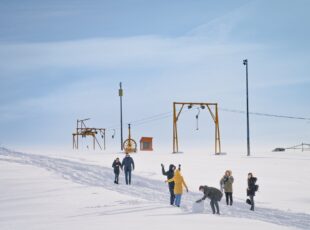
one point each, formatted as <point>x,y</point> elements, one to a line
<point>256,187</point>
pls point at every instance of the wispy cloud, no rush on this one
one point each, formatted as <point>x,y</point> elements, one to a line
<point>219,29</point>
<point>111,53</point>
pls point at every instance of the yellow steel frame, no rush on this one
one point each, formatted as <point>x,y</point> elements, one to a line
<point>83,131</point>
<point>215,118</point>
<point>130,145</point>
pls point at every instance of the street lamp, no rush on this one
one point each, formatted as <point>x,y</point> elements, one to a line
<point>120,94</point>
<point>245,62</point>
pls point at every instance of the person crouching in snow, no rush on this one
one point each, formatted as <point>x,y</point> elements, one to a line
<point>214,194</point>
<point>178,186</point>
<point>226,184</point>
<point>170,175</point>
<point>117,166</point>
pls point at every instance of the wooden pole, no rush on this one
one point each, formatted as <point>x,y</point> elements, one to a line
<point>77,132</point>
<point>218,130</point>
<point>94,143</point>
<point>174,124</point>
<point>104,139</point>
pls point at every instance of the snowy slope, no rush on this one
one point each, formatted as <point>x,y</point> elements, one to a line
<point>65,191</point>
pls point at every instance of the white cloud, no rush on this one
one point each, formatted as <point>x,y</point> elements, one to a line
<point>129,52</point>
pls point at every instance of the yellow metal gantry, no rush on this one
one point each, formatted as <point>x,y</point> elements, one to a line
<point>130,145</point>
<point>215,118</point>
<point>84,131</point>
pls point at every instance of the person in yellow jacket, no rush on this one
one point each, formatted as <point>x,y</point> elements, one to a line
<point>178,186</point>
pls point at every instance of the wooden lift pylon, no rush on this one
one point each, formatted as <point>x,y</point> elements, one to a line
<point>214,116</point>
<point>84,131</point>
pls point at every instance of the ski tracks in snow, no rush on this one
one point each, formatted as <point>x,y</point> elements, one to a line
<point>148,189</point>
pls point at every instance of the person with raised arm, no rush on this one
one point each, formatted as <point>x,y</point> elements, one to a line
<point>179,183</point>
<point>170,175</point>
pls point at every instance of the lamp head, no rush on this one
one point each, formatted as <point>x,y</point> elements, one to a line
<point>245,61</point>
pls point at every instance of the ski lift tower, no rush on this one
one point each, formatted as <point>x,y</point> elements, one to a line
<point>202,105</point>
<point>84,131</point>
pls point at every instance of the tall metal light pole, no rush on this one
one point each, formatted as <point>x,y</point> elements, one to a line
<point>120,94</point>
<point>245,62</point>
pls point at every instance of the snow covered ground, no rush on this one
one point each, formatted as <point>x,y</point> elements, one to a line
<point>76,191</point>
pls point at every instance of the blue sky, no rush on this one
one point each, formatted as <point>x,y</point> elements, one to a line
<point>63,60</point>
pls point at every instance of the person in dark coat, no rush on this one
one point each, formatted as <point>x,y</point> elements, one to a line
<point>116,166</point>
<point>251,189</point>
<point>128,165</point>
<point>214,194</point>
<point>170,175</point>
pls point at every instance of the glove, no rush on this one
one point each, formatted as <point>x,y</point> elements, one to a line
<point>186,189</point>
<point>198,201</point>
<point>162,165</point>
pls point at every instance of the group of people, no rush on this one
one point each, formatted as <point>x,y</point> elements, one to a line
<point>176,184</point>
<point>127,166</point>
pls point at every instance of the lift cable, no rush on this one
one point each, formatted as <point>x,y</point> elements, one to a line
<point>266,114</point>
<point>166,115</point>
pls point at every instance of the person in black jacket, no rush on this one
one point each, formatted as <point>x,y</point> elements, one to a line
<point>252,188</point>
<point>214,194</point>
<point>170,174</point>
<point>128,165</point>
<point>116,166</point>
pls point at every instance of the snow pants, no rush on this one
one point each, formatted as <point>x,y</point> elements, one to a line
<point>178,199</point>
<point>252,202</point>
<point>116,177</point>
<point>172,196</point>
<point>214,204</point>
<point>128,176</point>
<point>229,199</point>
